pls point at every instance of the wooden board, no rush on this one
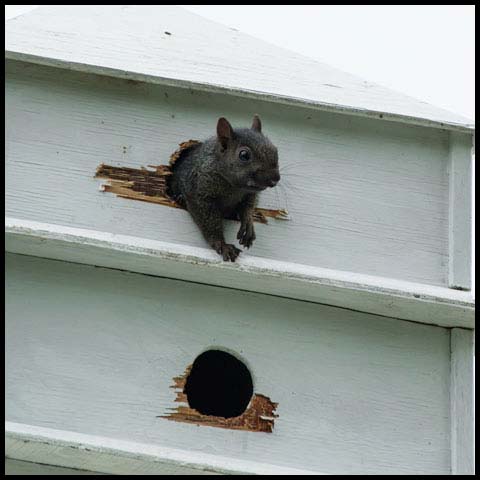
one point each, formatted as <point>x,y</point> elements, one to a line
<point>171,46</point>
<point>94,351</point>
<point>365,293</point>
<point>123,457</point>
<point>363,195</point>
<point>462,401</point>
<point>19,467</point>
<point>460,214</point>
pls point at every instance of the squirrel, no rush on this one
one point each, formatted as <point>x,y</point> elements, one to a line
<point>221,177</point>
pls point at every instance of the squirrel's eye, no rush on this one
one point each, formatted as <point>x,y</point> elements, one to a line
<point>244,155</point>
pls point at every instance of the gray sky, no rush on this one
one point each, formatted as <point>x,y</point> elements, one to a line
<point>424,51</point>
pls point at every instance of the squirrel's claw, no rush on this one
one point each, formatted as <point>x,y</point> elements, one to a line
<point>246,234</point>
<point>230,252</point>
<point>227,251</point>
<point>241,232</point>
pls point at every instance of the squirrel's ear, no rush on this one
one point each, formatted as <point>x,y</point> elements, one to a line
<point>257,124</point>
<point>224,131</point>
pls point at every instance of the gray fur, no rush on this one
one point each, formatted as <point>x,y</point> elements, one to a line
<point>212,182</point>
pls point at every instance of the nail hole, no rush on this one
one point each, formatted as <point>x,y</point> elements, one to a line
<point>219,384</point>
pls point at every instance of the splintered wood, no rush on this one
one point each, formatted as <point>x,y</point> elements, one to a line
<point>152,185</point>
<point>258,417</point>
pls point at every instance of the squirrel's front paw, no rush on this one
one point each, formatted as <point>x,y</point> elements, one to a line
<point>246,234</point>
<point>227,251</point>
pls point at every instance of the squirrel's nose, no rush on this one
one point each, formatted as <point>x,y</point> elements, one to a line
<point>274,180</point>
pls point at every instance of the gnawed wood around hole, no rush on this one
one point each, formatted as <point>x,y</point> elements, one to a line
<point>258,417</point>
<point>151,185</point>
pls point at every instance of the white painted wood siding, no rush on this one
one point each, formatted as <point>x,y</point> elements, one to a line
<point>460,214</point>
<point>92,350</point>
<point>124,457</point>
<point>462,401</point>
<point>364,195</point>
<point>19,467</point>
<point>417,302</point>
<point>132,42</point>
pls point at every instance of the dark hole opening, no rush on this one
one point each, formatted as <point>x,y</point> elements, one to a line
<point>219,384</point>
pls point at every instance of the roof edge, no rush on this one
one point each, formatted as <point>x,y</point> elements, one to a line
<point>245,93</point>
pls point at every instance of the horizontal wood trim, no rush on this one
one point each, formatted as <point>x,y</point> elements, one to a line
<point>126,41</point>
<point>377,295</point>
<point>107,455</point>
<point>20,467</point>
<point>238,92</point>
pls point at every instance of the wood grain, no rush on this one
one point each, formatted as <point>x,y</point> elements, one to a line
<point>152,186</point>
<point>258,417</point>
<point>460,211</point>
<point>365,293</point>
<point>363,195</point>
<point>94,351</point>
<point>462,402</point>
<point>18,467</point>
<point>130,42</point>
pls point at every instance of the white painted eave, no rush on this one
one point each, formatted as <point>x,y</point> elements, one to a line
<point>120,457</point>
<point>130,42</point>
<point>376,295</point>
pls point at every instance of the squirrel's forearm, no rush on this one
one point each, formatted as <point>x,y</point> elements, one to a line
<point>209,219</point>
<point>247,207</point>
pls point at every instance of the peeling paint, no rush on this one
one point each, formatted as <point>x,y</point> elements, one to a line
<point>258,417</point>
<point>151,185</point>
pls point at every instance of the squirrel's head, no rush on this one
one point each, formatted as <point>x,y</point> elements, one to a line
<point>250,160</point>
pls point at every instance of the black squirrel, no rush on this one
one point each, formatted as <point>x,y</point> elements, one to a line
<point>221,177</point>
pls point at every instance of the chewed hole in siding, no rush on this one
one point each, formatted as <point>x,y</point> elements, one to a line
<point>217,391</point>
<point>152,185</point>
<point>219,384</point>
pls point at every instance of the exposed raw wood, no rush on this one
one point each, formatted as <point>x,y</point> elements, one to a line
<point>260,214</point>
<point>462,402</point>
<point>130,42</point>
<point>366,293</point>
<point>152,186</point>
<point>126,190</point>
<point>184,147</point>
<point>258,417</point>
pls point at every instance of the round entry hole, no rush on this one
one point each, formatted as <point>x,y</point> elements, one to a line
<point>219,384</point>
